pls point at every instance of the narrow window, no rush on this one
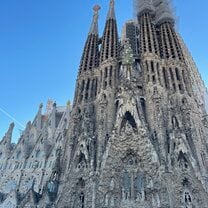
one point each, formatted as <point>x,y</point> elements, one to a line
<point>117,105</point>
<point>92,88</point>
<point>96,82</point>
<point>177,74</point>
<point>147,67</point>
<point>81,200</point>
<point>87,89</point>
<point>143,104</point>
<point>175,123</point>
<point>111,71</point>
<point>158,73</point>
<point>165,78</point>
<point>171,74</point>
<point>152,67</point>
<point>106,72</point>
<point>153,79</point>
<point>187,198</point>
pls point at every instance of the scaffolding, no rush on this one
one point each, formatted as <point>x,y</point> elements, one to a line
<point>142,5</point>
<point>162,9</point>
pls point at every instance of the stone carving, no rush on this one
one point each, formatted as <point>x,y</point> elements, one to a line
<point>133,133</point>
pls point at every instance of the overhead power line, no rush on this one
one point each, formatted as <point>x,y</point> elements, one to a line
<point>12,118</point>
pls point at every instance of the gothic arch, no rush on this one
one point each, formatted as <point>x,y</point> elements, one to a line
<point>117,105</point>
<point>183,161</point>
<point>81,163</point>
<point>127,122</point>
<point>127,106</point>
<point>79,110</point>
<point>175,122</point>
<point>187,197</point>
<point>81,183</point>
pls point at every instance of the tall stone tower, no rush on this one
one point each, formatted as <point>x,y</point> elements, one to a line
<point>138,135</point>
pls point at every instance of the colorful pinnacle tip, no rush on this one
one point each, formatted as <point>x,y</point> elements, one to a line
<point>96,8</point>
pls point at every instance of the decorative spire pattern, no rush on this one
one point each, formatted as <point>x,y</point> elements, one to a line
<point>170,46</point>
<point>148,37</point>
<point>91,51</point>
<point>94,26</point>
<point>164,18</point>
<point>8,136</point>
<point>109,48</point>
<point>111,12</point>
<point>134,128</point>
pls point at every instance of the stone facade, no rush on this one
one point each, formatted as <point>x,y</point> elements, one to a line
<point>136,136</point>
<point>27,166</point>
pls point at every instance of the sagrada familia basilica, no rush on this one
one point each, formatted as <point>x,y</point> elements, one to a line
<point>136,135</point>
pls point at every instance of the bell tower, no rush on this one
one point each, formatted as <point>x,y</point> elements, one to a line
<point>135,125</point>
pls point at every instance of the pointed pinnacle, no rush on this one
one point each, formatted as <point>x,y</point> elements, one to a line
<point>41,106</point>
<point>8,135</point>
<point>11,127</point>
<point>94,26</point>
<point>111,12</point>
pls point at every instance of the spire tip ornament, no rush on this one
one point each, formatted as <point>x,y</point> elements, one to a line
<point>94,26</point>
<point>111,13</point>
<point>96,8</point>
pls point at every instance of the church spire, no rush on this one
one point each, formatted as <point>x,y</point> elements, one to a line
<point>89,59</point>
<point>94,25</point>
<point>109,48</point>
<point>7,141</point>
<point>170,47</point>
<point>8,136</point>
<point>111,12</point>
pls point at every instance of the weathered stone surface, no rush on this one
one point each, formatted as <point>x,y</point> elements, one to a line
<point>136,136</point>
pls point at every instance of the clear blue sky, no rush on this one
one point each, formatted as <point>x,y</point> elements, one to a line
<point>41,42</point>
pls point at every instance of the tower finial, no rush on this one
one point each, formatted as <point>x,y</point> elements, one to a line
<point>94,26</point>
<point>90,54</point>
<point>109,48</point>
<point>8,136</point>
<point>111,13</point>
